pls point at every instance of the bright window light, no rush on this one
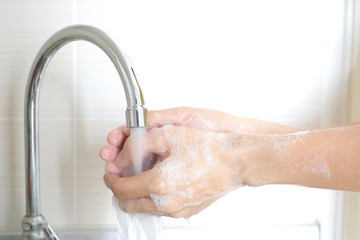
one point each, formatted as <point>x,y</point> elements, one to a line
<point>272,60</point>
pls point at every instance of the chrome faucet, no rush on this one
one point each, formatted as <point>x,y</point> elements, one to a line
<point>34,225</point>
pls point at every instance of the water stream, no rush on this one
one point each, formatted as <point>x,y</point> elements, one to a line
<point>137,226</point>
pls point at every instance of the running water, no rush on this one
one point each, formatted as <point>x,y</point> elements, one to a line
<point>137,226</point>
<point>137,136</point>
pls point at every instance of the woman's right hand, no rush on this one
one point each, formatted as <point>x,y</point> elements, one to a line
<point>191,168</point>
<point>212,120</point>
<point>205,119</point>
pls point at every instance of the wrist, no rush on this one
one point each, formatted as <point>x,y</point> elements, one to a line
<point>251,158</point>
<point>277,159</point>
<point>263,159</point>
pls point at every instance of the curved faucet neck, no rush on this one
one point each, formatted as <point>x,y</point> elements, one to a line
<point>136,113</point>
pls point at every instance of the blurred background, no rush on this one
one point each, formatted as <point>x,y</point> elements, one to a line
<point>294,62</point>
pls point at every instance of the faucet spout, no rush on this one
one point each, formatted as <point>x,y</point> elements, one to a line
<point>136,113</point>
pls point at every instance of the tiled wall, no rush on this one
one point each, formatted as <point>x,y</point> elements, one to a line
<point>73,123</point>
<point>212,62</point>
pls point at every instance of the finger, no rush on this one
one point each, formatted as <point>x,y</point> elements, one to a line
<point>194,211</point>
<point>118,136</point>
<point>109,153</point>
<point>205,119</point>
<point>147,154</point>
<point>130,187</point>
<point>110,167</point>
<point>144,205</point>
<point>140,205</point>
<point>173,116</point>
<point>191,210</point>
<point>123,159</point>
<point>153,143</point>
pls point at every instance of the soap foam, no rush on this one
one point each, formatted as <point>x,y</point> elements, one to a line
<point>188,161</point>
<point>161,201</point>
<point>286,140</point>
<point>318,165</point>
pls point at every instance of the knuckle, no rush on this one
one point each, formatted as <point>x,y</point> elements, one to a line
<point>182,110</point>
<point>172,208</point>
<point>123,207</point>
<point>110,137</point>
<point>178,214</point>
<point>159,188</point>
<point>116,191</point>
<point>126,206</point>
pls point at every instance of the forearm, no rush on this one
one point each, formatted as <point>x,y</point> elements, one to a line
<point>256,126</point>
<point>325,158</point>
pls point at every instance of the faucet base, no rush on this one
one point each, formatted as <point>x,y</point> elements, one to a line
<point>32,228</point>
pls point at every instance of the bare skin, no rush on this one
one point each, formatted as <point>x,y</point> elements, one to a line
<point>200,155</point>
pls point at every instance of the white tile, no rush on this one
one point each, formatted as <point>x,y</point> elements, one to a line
<point>92,12</point>
<point>14,67</point>
<point>57,90</point>
<point>100,90</point>
<point>36,19</point>
<point>58,171</point>
<point>12,174</point>
<point>15,61</point>
<point>24,27</point>
<point>56,97</point>
<point>101,93</point>
<point>94,198</point>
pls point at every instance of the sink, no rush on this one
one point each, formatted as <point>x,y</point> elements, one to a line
<point>88,235</point>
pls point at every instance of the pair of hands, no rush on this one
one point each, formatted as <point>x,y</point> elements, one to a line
<point>190,159</point>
